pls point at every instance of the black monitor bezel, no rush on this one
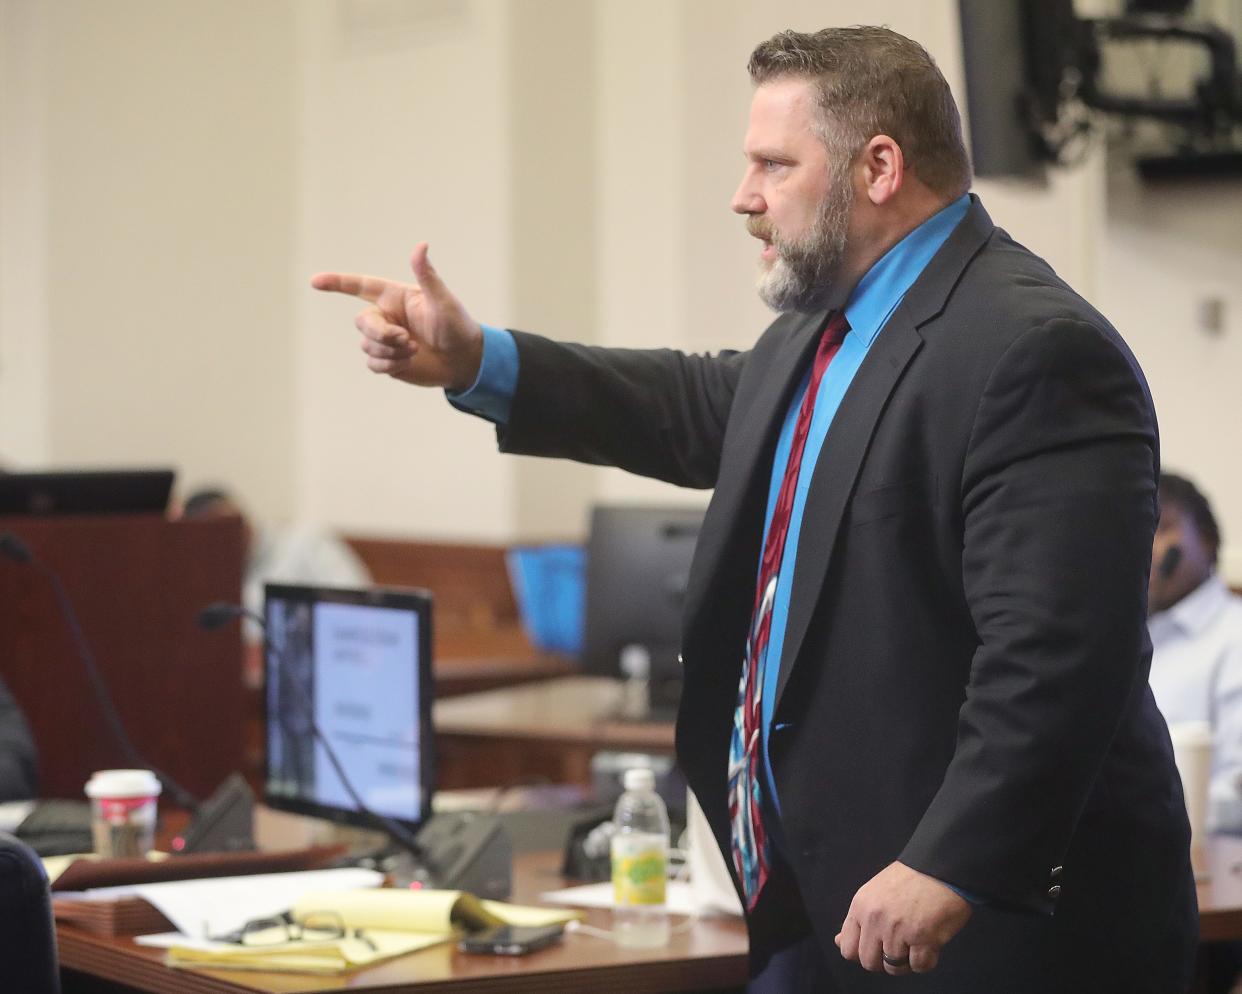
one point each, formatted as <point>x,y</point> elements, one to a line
<point>403,598</point>
<point>61,493</point>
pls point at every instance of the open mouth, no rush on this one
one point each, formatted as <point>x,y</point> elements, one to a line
<point>769,251</point>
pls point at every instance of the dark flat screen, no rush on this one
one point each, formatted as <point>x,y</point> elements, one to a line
<point>109,491</point>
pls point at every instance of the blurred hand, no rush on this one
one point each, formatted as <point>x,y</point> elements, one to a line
<point>418,332</point>
<point>904,913</point>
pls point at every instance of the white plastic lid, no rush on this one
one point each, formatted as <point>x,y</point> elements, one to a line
<point>641,778</point>
<point>1193,734</point>
<point>123,783</point>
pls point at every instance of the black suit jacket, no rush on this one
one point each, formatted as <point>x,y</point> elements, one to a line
<point>963,684</point>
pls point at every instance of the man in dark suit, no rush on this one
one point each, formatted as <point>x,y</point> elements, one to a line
<point>916,710</point>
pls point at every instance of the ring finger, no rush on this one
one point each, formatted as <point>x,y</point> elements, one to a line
<point>896,958</point>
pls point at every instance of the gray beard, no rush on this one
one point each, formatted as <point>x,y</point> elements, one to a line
<point>804,275</point>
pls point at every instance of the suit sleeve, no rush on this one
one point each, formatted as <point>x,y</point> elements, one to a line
<point>18,776</point>
<point>1058,512</point>
<point>657,412</point>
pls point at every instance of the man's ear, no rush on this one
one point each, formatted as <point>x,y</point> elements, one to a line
<point>883,169</point>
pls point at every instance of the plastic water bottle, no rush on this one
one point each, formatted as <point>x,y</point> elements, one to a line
<point>640,863</point>
<point>635,666</point>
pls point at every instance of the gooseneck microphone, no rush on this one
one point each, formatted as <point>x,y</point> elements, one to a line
<point>219,614</point>
<point>13,548</point>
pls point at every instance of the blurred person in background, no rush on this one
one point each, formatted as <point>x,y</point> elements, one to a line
<point>1196,632</point>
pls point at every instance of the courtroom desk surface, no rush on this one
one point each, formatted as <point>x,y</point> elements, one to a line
<point>710,955</point>
<point>465,674</point>
<point>576,709</point>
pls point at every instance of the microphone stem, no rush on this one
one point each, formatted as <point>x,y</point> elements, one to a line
<point>180,795</point>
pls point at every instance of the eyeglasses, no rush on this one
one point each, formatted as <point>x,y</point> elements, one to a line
<point>315,926</point>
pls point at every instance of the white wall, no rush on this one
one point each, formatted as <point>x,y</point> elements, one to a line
<point>25,390</point>
<point>153,187</point>
<point>401,141</point>
<point>172,172</point>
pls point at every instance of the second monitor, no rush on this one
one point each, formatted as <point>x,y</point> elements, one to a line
<point>638,565</point>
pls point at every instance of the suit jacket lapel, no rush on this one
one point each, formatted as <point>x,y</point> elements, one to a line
<point>854,424</point>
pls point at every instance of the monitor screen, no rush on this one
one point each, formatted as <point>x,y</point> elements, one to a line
<point>100,491</point>
<point>359,661</point>
<point>638,564</point>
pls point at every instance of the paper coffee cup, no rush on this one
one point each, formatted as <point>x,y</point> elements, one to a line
<point>1192,752</point>
<point>123,811</point>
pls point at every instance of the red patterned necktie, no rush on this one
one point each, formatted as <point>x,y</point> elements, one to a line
<point>751,853</point>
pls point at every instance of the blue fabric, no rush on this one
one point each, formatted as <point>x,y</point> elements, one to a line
<point>491,394</point>
<point>868,309</point>
<point>549,582</point>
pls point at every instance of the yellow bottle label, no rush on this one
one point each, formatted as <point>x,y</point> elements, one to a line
<point>638,877</point>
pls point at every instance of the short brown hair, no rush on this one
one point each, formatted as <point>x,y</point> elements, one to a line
<point>873,81</point>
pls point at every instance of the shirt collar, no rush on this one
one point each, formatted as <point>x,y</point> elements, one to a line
<point>880,291</point>
<point>1199,608</point>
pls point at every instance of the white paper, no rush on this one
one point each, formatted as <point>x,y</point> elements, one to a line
<point>678,898</point>
<point>166,940</point>
<point>219,905</point>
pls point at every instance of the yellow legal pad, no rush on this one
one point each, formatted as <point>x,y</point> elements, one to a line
<point>393,923</point>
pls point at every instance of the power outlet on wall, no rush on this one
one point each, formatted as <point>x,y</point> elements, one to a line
<point>1211,315</point>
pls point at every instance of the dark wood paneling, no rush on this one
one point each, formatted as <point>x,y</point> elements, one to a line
<point>137,583</point>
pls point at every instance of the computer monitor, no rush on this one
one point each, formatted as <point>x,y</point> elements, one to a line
<point>104,491</point>
<point>360,662</point>
<point>638,564</point>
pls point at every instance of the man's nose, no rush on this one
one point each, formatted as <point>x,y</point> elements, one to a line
<point>747,199</point>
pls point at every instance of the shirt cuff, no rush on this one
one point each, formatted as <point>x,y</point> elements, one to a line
<point>965,895</point>
<point>491,394</point>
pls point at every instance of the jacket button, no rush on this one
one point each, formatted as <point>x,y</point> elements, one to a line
<point>1056,871</point>
<point>1054,891</point>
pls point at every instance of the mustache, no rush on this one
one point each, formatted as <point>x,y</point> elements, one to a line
<point>759,228</point>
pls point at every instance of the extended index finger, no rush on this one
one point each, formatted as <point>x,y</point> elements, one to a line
<point>368,288</point>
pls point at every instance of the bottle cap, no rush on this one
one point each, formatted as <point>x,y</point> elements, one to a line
<point>123,783</point>
<point>640,778</point>
<point>635,661</point>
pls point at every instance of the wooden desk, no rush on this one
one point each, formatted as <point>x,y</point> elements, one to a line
<point>711,955</point>
<point>549,730</point>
